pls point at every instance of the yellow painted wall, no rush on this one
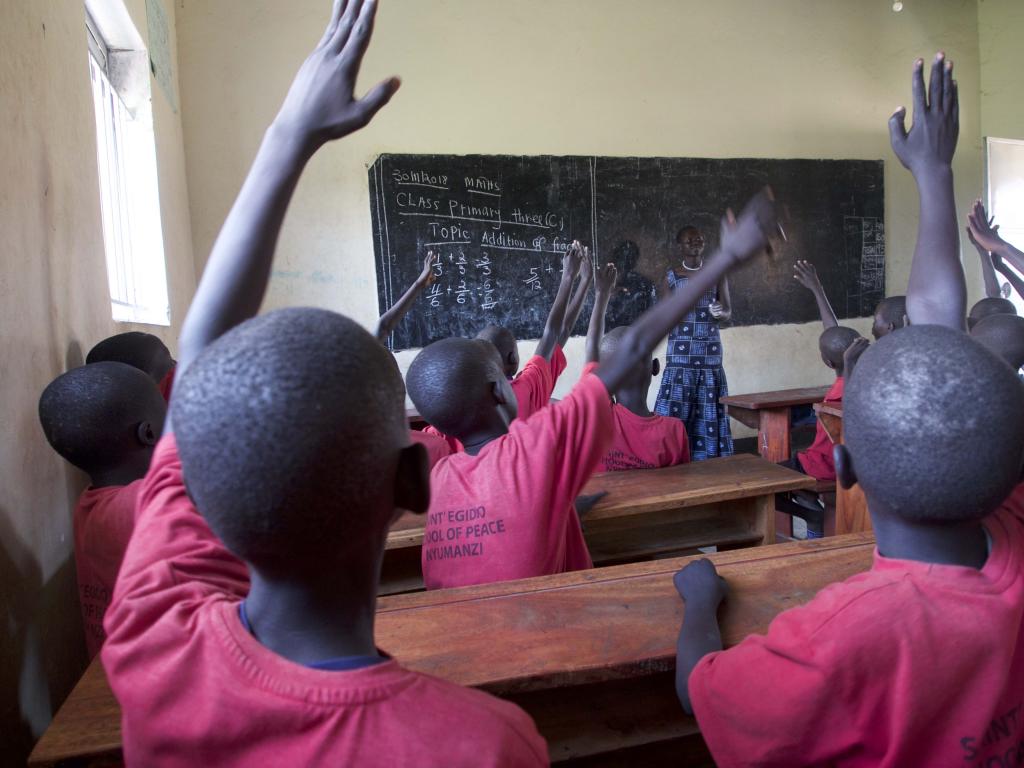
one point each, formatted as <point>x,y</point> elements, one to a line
<point>54,305</point>
<point>1001,34</point>
<point>785,78</point>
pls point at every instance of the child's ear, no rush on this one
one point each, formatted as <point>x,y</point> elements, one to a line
<point>844,466</point>
<point>655,367</point>
<point>145,434</point>
<point>412,480</point>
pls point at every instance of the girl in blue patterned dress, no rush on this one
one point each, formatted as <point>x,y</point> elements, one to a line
<point>694,379</point>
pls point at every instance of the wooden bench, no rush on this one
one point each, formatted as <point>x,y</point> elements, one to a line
<point>851,506</point>
<point>727,502</point>
<point>590,655</point>
<point>770,413</point>
<point>415,421</point>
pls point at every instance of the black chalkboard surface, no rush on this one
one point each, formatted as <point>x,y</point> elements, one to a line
<point>501,225</point>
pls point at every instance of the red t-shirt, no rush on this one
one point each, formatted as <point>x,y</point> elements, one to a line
<point>535,383</point>
<point>817,460</point>
<point>507,513</point>
<point>103,523</point>
<point>196,689</point>
<point>166,384</point>
<point>437,447</point>
<point>910,663</point>
<point>643,442</point>
<point>533,387</point>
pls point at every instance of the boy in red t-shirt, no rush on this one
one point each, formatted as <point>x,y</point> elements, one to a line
<point>640,439</point>
<point>839,347</point>
<point>503,509</point>
<point>919,661</point>
<point>535,383</point>
<point>139,350</point>
<point>241,631</point>
<point>104,418</point>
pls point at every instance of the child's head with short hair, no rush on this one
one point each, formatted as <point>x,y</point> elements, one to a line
<point>505,342</point>
<point>645,370</point>
<point>294,445</point>
<point>890,315</point>
<point>1003,335</point>
<point>832,343</point>
<point>103,418</point>
<point>139,350</point>
<point>987,307</point>
<point>459,386</point>
<point>934,427</point>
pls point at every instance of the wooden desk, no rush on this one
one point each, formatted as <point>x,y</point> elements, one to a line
<point>769,413</point>
<point>590,655</point>
<point>415,420</point>
<point>727,502</point>
<point>851,506</point>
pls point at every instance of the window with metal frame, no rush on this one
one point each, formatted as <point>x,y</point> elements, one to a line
<point>129,194</point>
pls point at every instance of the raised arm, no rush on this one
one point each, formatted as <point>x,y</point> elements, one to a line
<point>740,240</point>
<point>553,326</point>
<point>606,277</point>
<point>703,590</point>
<point>985,235</point>
<point>807,276</point>
<point>572,313</point>
<point>988,271</point>
<point>1012,277</point>
<point>937,290</point>
<point>390,319</point>
<point>320,106</point>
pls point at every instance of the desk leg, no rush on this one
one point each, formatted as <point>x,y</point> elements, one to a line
<point>851,508</point>
<point>851,511</point>
<point>773,444</point>
<point>764,518</point>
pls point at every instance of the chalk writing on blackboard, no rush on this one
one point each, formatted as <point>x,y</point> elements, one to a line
<point>501,225</point>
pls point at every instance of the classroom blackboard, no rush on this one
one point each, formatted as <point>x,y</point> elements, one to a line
<point>502,224</point>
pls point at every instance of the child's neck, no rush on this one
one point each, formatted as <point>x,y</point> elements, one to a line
<point>310,623</point>
<point>475,441</point>
<point>962,544</point>
<point>634,400</point>
<point>125,473</point>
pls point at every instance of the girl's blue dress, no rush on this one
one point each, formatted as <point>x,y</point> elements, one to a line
<point>694,379</point>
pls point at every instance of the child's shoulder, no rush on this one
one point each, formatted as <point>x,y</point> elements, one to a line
<point>492,722</point>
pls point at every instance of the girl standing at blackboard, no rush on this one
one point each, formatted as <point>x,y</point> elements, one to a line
<point>694,378</point>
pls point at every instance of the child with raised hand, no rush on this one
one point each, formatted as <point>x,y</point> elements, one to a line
<point>833,345</point>
<point>535,383</point>
<point>504,508</point>
<point>242,627</point>
<point>390,319</point>
<point>986,238</point>
<point>807,276</point>
<point>995,294</point>
<point>104,418</point>
<point>139,350</point>
<point>994,303</point>
<point>640,439</point>
<point>436,446</point>
<point>918,661</point>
